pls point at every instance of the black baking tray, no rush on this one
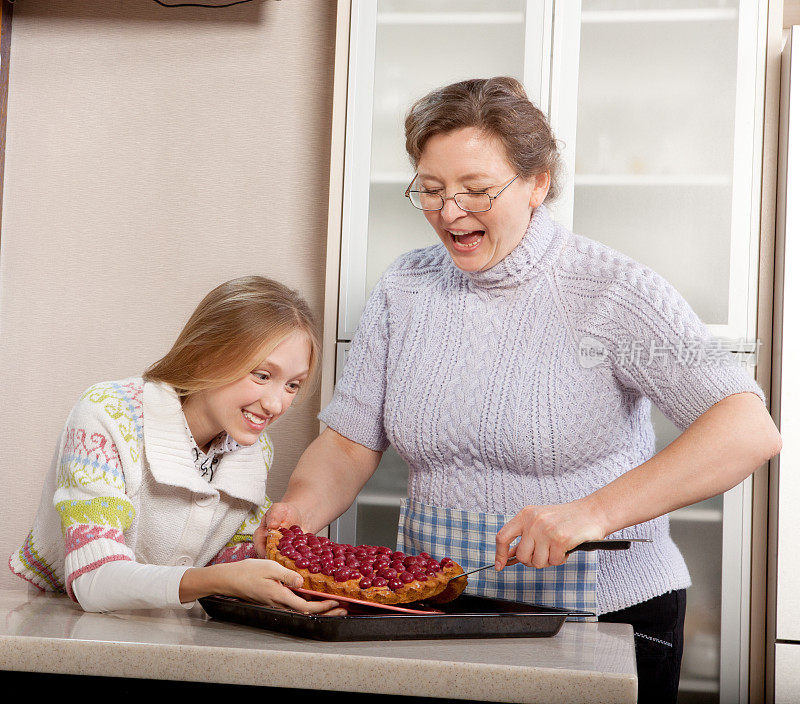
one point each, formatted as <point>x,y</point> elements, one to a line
<point>466,617</point>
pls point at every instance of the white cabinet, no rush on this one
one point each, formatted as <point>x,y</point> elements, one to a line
<point>658,105</point>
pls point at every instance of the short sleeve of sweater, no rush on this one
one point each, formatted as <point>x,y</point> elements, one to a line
<point>658,347</point>
<point>356,410</point>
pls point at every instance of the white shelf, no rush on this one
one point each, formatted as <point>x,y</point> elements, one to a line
<point>688,180</point>
<point>390,177</point>
<point>380,499</point>
<point>635,16</point>
<point>699,515</point>
<point>450,18</point>
<point>698,684</point>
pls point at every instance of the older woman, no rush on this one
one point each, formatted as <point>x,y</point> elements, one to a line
<point>512,367</point>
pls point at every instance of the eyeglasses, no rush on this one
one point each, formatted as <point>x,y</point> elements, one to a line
<point>470,202</point>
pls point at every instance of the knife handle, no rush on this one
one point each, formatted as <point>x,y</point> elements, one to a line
<point>602,545</point>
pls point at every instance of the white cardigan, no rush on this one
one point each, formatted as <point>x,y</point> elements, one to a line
<point>124,488</point>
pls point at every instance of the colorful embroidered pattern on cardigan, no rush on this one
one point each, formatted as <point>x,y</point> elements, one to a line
<point>115,512</point>
<point>123,404</point>
<point>39,572</point>
<point>89,458</point>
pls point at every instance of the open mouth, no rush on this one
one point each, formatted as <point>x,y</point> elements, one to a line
<point>467,241</point>
<point>254,421</point>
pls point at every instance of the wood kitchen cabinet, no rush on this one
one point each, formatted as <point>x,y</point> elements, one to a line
<point>659,106</point>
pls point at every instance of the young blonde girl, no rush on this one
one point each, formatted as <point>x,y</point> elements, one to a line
<point>160,480</point>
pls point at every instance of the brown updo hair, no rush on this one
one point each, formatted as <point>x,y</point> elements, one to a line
<point>498,106</point>
<point>231,331</point>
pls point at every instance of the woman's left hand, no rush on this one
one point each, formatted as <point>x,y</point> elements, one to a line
<point>547,532</point>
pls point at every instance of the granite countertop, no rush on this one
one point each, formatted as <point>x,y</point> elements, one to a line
<point>49,633</point>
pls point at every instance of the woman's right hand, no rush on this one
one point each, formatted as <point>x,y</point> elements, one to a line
<point>266,582</point>
<point>277,516</point>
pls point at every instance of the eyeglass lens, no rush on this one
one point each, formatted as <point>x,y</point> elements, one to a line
<point>471,202</point>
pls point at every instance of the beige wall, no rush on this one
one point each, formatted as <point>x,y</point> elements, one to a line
<point>152,153</point>
<point>791,12</point>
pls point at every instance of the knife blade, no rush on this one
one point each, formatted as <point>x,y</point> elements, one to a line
<point>588,546</point>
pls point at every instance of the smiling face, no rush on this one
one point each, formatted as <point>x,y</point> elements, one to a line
<point>468,160</point>
<point>244,408</point>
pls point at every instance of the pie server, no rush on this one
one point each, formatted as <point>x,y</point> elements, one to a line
<point>614,544</point>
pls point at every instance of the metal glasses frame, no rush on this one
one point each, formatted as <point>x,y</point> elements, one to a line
<point>453,197</point>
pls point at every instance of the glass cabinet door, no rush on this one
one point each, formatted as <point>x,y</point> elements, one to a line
<point>399,51</point>
<point>666,170</point>
<point>664,147</point>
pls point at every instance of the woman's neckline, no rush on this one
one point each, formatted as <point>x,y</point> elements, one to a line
<point>519,265</point>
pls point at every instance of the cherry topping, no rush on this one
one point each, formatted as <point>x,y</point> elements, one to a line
<point>365,583</point>
<point>302,562</point>
<point>341,575</point>
<point>397,565</point>
<point>398,555</point>
<point>405,577</point>
<point>382,550</point>
<point>328,568</point>
<point>395,584</point>
<point>297,530</point>
<point>379,582</point>
<point>388,573</point>
<point>445,562</point>
<point>432,565</point>
<point>314,568</point>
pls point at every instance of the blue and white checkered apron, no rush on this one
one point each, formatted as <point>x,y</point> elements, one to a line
<point>468,537</point>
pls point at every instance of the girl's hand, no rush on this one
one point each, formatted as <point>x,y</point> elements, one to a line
<point>546,533</point>
<point>262,582</point>
<point>277,516</point>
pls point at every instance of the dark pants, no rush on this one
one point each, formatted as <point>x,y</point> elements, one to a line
<point>658,636</point>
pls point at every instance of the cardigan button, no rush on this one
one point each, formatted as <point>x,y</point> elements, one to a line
<point>204,500</point>
<point>184,561</point>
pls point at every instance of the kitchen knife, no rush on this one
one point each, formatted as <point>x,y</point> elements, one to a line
<point>614,544</point>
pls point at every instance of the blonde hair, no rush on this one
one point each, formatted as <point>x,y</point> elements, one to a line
<point>231,331</point>
<point>498,106</point>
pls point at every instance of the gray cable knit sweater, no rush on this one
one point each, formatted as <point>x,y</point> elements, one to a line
<point>530,383</point>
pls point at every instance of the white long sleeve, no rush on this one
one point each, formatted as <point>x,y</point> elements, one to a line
<point>124,584</point>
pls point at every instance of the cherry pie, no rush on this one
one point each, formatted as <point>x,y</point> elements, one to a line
<point>366,572</point>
